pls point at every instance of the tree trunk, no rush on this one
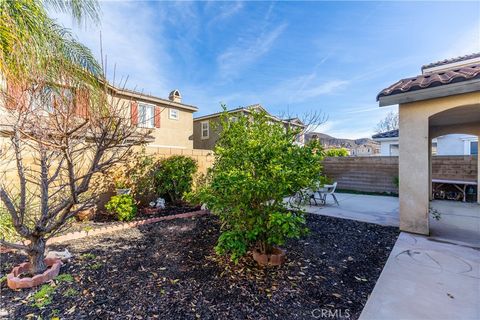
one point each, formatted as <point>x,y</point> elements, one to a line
<point>36,255</point>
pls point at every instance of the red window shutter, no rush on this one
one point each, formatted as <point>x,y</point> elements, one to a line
<point>81,103</point>
<point>158,110</point>
<point>14,97</point>
<point>134,113</point>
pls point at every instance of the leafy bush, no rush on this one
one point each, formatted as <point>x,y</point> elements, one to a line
<point>256,166</point>
<point>7,230</point>
<point>336,152</point>
<point>136,174</point>
<point>174,177</point>
<point>123,206</point>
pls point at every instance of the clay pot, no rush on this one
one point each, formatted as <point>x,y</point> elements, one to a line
<point>14,282</point>
<point>276,258</point>
<point>150,210</point>
<point>87,214</point>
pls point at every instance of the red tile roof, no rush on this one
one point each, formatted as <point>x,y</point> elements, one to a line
<point>452,60</point>
<point>431,80</point>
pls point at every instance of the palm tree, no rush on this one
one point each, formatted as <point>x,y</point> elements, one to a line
<point>30,40</point>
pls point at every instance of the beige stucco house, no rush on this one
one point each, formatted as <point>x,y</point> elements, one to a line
<point>206,131</point>
<point>443,99</point>
<point>170,120</point>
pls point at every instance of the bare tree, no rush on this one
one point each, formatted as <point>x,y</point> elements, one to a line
<point>310,120</point>
<point>389,123</point>
<point>61,137</point>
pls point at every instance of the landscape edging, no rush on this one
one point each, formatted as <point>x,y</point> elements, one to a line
<point>126,225</point>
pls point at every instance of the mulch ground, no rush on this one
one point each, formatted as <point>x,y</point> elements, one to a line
<point>168,270</point>
<point>102,219</point>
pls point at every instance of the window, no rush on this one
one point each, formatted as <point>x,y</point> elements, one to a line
<point>146,115</point>
<point>47,98</point>
<point>173,114</point>
<point>234,119</point>
<point>205,129</point>
<point>473,147</point>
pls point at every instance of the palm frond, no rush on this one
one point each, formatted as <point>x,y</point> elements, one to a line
<point>79,10</point>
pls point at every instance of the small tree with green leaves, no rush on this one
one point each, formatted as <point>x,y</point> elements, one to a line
<point>336,152</point>
<point>257,165</point>
<point>174,177</point>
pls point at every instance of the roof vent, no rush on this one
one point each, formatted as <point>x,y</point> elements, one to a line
<point>175,96</point>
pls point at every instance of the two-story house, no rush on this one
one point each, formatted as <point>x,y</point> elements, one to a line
<point>206,131</point>
<point>170,120</point>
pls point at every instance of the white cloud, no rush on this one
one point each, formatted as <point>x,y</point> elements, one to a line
<point>247,51</point>
<point>132,42</point>
<point>467,43</point>
<point>227,10</point>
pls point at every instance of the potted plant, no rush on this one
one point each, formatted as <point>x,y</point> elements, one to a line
<point>121,187</point>
<point>257,164</point>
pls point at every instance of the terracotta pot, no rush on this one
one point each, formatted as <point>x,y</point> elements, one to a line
<point>14,282</point>
<point>276,258</point>
<point>87,214</point>
<point>150,210</point>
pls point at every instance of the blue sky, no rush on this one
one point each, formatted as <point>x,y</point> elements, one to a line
<point>300,56</point>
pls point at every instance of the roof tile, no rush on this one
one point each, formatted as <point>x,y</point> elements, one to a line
<point>432,80</point>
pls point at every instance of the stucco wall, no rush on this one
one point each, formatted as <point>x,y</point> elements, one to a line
<point>453,144</point>
<point>172,133</point>
<point>415,152</point>
<point>198,141</point>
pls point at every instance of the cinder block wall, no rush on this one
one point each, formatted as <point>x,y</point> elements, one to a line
<point>377,174</point>
<point>462,168</point>
<point>369,174</point>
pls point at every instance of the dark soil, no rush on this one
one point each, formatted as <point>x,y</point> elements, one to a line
<point>102,219</point>
<point>168,270</point>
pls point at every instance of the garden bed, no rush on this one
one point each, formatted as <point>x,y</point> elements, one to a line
<point>168,270</point>
<point>102,219</point>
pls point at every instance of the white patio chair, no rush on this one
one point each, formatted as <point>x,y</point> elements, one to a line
<point>330,190</point>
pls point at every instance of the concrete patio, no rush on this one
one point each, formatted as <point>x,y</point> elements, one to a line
<point>425,277</point>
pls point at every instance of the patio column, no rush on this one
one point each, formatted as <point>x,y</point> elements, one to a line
<point>478,169</point>
<point>414,169</point>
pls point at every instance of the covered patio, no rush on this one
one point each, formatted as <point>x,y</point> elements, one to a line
<point>444,99</point>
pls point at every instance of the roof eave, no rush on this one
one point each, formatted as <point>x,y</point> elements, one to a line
<point>430,93</point>
<point>149,98</point>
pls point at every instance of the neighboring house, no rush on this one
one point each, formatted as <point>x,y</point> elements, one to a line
<point>365,150</point>
<point>388,142</point>
<point>356,148</point>
<point>205,135</point>
<point>451,144</point>
<point>171,120</point>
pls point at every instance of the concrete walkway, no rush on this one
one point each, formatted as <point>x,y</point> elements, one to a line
<point>374,209</point>
<point>425,279</point>
<point>436,277</point>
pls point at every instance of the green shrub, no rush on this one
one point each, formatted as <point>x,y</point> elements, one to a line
<point>257,164</point>
<point>336,152</point>
<point>174,177</point>
<point>7,230</point>
<point>123,206</point>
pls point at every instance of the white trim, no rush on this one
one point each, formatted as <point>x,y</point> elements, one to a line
<point>150,122</point>
<point>170,114</point>
<point>207,129</point>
